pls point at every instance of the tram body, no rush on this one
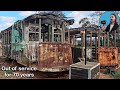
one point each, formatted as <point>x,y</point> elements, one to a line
<point>41,41</point>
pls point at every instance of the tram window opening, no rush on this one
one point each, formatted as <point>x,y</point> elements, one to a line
<point>33,36</point>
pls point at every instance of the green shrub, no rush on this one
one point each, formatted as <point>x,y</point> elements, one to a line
<point>117,75</point>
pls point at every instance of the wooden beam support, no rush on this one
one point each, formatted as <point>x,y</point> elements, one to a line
<point>40,30</point>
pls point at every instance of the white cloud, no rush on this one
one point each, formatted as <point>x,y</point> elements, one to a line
<point>6,21</point>
<point>6,18</point>
<point>8,24</point>
<point>75,25</point>
<point>77,15</point>
<point>26,13</point>
<point>5,25</point>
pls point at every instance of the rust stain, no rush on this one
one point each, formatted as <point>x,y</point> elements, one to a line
<point>54,55</point>
<point>108,56</point>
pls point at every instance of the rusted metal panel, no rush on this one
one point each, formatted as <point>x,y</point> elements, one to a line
<point>54,55</point>
<point>108,56</point>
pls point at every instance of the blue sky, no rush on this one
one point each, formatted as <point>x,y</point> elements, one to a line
<point>7,18</point>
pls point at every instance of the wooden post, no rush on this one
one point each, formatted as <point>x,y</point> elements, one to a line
<point>83,43</point>
<point>52,34</point>
<point>62,35</point>
<point>49,33</point>
<point>63,32</point>
<point>5,37</point>
<point>85,46</point>
<point>115,38</point>
<point>35,29</point>
<point>22,23</point>
<point>104,40</point>
<point>98,38</point>
<point>8,37</point>
<point>68,36</point>
<point>91,39</point>
<point>96,47</point>
<point>40,30</point>
<point>73,39</point>
<point>107,39</point>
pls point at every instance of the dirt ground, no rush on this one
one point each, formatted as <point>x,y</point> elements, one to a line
<point>41,75</point>
<point>37,74</point>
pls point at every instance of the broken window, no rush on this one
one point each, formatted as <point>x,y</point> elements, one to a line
<point>57,35</point>
<point>34,33</point>
<point>33,36</point>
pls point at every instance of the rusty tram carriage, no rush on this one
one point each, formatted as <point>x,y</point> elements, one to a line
<point>99,47</point>
<point>45,41</point>
<point>41,41</point>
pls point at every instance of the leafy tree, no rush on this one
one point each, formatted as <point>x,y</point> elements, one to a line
<point>95,17</point>
<point>84,22</point>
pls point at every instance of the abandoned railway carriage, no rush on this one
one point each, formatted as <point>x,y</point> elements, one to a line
<point>40,40</point>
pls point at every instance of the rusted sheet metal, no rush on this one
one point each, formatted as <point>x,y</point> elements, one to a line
<point>54,55</point>
<point>108,56</point>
